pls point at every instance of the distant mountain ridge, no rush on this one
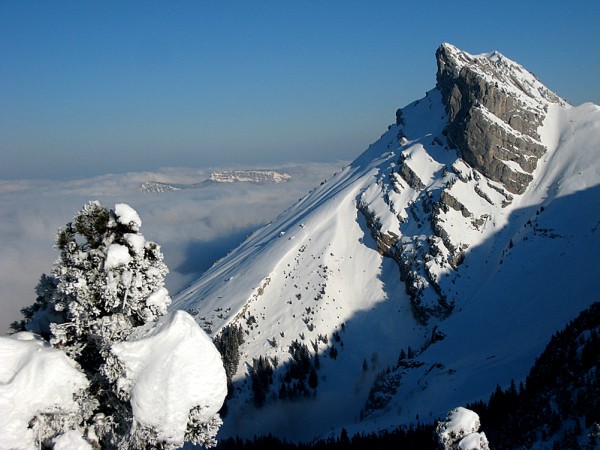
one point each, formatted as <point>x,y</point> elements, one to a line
<point>434,267</point>
<point>249,176</point>
<point>223,176</point>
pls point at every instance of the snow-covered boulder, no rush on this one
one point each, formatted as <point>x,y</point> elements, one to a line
<point>35,380</point>
<point>171,367</point>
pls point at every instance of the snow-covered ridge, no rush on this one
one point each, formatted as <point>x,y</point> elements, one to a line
<point>258,176</point>
<point>497,68</point>
<point>249,176</point>
<point>157,186</point>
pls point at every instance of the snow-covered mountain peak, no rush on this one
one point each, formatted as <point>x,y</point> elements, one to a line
<point>497,68</point>
<point>430,257</point>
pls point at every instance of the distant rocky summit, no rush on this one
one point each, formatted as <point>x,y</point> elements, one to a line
<point>249,176</point>
<point>258,176</point>
<point>157,186</point>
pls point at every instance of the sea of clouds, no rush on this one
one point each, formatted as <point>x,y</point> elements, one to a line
<point>194,227</point>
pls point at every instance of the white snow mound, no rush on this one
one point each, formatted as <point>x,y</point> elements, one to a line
<point>117,255</point>
<point>136,242</point>
<point>71,440</point>
<point>126,215</point>
<point>474,441</point>
<point>160,299</point>
<point>172,367</point>
<point>34,379</point>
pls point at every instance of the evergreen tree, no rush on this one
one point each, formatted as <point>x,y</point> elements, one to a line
<point>313,379</point>
<point>228,342</point>
<point>262,378</point>
<point>107,280</point>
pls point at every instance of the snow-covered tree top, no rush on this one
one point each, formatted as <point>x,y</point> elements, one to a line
<point>460,431</point>
<point>126,215</point>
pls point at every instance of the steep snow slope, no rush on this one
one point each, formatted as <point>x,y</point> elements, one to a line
<point>310,273</point>
<point>538,270</point>
<point>465,267</point>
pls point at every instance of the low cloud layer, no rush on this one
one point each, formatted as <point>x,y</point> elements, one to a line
<point>194,227</point>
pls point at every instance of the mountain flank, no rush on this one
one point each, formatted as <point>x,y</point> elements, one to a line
<point>432,269</point>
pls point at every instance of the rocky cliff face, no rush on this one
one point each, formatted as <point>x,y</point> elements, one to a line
<point>494,109</point>
<point>487,150</point>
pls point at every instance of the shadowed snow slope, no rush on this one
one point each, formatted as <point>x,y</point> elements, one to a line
<point>422,256</point>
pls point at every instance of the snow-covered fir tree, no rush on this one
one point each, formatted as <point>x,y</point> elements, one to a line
<point>109,278</point>
<point>106,286</point>
<point>460,431</point>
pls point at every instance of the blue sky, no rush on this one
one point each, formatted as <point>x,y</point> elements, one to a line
<point>106,87</point>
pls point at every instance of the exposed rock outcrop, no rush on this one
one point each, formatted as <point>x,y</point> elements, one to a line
<point>249,176</point>
<point>258,176</point>
<point>490,121</point>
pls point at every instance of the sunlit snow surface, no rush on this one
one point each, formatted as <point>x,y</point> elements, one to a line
<point>71,440</point>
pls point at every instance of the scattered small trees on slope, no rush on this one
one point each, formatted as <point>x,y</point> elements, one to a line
<point>560,397</point>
